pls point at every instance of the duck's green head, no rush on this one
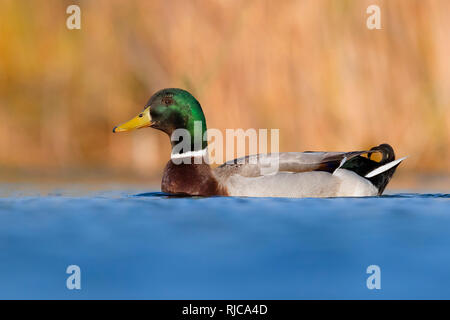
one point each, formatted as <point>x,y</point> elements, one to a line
<point>168,110</point>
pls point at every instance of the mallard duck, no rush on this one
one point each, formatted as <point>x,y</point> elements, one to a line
<point>298,174</point>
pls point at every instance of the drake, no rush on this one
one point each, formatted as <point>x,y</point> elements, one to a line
<point>298,174</point>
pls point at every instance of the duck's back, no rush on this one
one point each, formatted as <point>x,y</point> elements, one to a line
<point>308,174</point>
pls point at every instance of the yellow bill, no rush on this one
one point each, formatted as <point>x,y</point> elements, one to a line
<point>142,120</point>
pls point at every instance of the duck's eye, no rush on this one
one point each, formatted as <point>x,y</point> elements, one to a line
<point>167,101</point>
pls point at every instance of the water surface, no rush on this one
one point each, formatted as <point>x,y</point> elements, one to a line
<point>137,244</point>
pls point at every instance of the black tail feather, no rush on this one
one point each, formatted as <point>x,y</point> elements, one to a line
<point>362,166</point>
<point>386,151</point>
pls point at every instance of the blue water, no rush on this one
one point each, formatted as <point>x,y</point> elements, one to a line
<point>137,245</point>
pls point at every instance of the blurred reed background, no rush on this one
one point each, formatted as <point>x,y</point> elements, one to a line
<point>310,68</point>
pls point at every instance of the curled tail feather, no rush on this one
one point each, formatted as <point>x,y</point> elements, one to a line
<point>381,175</point>
<point>378,173</point>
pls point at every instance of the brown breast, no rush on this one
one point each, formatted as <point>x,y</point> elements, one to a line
<point>191,179</point>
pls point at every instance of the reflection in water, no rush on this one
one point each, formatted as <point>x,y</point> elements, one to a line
<point>396,195</point>
<point>152,194</point>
